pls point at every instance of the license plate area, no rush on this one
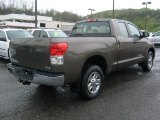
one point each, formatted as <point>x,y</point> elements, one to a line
<point>25,73</point>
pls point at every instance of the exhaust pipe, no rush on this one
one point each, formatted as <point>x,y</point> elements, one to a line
<point>24,82</point>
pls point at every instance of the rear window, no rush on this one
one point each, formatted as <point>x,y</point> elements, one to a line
<point>18,34</point>
<point>57,34</point>
<point>91,29</point>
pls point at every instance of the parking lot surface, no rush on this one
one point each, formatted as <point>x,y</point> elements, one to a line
<point>129,94</point>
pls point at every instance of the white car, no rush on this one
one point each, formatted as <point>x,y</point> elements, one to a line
<point>54,33</point>
<point>8,34</point>
<point>155,38</point>
<point>151,34</point>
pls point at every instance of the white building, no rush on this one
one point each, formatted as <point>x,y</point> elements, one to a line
<point>28,21</point>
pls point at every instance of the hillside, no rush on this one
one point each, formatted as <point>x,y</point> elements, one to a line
<point>137,16</point>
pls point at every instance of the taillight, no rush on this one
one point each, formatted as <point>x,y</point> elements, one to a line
<point>58,49</point>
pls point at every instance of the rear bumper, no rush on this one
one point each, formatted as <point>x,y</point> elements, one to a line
<point>36,77</point>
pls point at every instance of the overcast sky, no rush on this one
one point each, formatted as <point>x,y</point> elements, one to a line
<point>81,6</point>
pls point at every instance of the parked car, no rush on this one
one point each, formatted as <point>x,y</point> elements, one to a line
<point>155,38</point>
<point>95,47</point>
<point>6,35</point>
<point>47,33</point>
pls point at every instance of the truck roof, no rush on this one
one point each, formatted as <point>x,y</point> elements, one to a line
<point>94,19</point>
<point>100,19</point>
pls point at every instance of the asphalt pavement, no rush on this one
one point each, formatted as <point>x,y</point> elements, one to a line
<point>129,94</point>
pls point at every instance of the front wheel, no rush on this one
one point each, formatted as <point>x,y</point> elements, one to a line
<point>91,82</point>
<point>148,64</point>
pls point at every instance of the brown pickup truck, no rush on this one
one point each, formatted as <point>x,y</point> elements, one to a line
<point>95,47</point>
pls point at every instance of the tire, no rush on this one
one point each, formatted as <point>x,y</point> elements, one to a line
<point>148,64</point>
<point>91,82</point>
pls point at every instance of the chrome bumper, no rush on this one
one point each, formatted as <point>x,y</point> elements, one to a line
<point>33,76</point>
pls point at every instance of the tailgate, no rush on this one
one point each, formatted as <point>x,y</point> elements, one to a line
<point>32,53</point>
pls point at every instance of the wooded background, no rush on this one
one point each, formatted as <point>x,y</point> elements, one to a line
<point>137,16</point>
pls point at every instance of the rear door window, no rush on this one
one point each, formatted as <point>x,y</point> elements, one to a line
<point>37,33</point>
<point>2,36</point>
<point>91,29</point>
<point>57,34</point>
<point>43,34</point>
<point>12,34</point>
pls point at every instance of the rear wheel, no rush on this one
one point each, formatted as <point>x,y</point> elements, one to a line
<point>148,64</point>
<point>91,82</point>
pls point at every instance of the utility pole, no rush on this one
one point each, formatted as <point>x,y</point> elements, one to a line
<point>91,11</point>
<point>113,9</point>
<point>35,13</point>
<point>145,23</point>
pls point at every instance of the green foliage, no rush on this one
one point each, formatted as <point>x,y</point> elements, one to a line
<point>137,16</point>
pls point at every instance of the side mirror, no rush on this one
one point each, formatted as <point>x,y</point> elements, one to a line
<point>145,34</point>
<point>3,39</point>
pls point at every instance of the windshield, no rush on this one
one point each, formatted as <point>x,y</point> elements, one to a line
<point>57,34</point>
<point>156,34</point>
<point>18,34</point>
<point>91,29</point>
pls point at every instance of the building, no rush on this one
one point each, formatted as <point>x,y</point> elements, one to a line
<point>28,21</point>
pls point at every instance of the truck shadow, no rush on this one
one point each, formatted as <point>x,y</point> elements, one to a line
<point>122,76</point>
<point>50,96</point>
<point>48,99</point>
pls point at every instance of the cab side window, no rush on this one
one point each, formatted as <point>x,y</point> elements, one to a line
<point>2,36</point>
<point>36,33</point>
<point>43,34</point>
<point>134,32</point>
<point>123,29</point>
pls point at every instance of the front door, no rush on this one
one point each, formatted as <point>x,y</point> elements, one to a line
<point>139,43</point>
<point>125,55</point>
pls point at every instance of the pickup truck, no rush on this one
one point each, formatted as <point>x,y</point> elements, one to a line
<point>95,48</point>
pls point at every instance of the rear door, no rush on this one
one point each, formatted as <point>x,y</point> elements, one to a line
<point>3,44</point>
<point>37,33</point>
<point>43,34</point>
